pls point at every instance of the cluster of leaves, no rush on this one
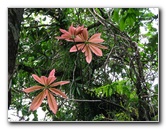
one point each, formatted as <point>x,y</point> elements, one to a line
<point>48,90</point>
<point>107,88</point>
<point>85,44</point>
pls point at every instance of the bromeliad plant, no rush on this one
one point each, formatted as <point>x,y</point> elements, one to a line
<point>71,34</point>
<point>48,90</point>
<point>86,45</point>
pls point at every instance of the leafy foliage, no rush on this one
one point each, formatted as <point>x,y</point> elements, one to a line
<point>118,86</point>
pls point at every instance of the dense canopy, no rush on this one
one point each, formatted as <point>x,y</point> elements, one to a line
<point>110,58</point>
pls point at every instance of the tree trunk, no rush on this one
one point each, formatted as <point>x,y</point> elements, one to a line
<point>15,16</point>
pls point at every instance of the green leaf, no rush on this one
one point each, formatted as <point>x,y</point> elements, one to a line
<point>122,24</point>
<point>116,15</point>
<point>126,91</point>
<point>119,89</point>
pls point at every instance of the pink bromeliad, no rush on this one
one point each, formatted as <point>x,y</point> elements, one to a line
<point>71,33</point>
<point>47,90</point>
<point>88,45</point>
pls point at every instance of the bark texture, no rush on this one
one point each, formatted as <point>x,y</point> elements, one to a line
<point>15,16</point>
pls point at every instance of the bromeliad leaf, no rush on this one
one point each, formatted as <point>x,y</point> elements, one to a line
<point>47,83</point>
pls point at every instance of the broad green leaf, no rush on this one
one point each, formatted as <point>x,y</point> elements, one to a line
<point>122,23</point>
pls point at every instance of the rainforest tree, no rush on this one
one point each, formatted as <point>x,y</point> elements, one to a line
<point>108,58</point>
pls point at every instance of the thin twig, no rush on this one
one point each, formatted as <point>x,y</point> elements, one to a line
<point>95,17</point>
<point>108,57</point>
<point>37,26</point>
<point>75,65</point>
<point>84,100</point>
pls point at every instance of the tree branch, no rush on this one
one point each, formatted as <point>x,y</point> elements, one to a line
<point>33,70</point>
<point>93,25</point>
<point>37,26</point>
<point>84,100</point>
<point>102,100</point>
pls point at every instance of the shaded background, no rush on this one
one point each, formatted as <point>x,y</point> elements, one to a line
<point>119,86</point>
